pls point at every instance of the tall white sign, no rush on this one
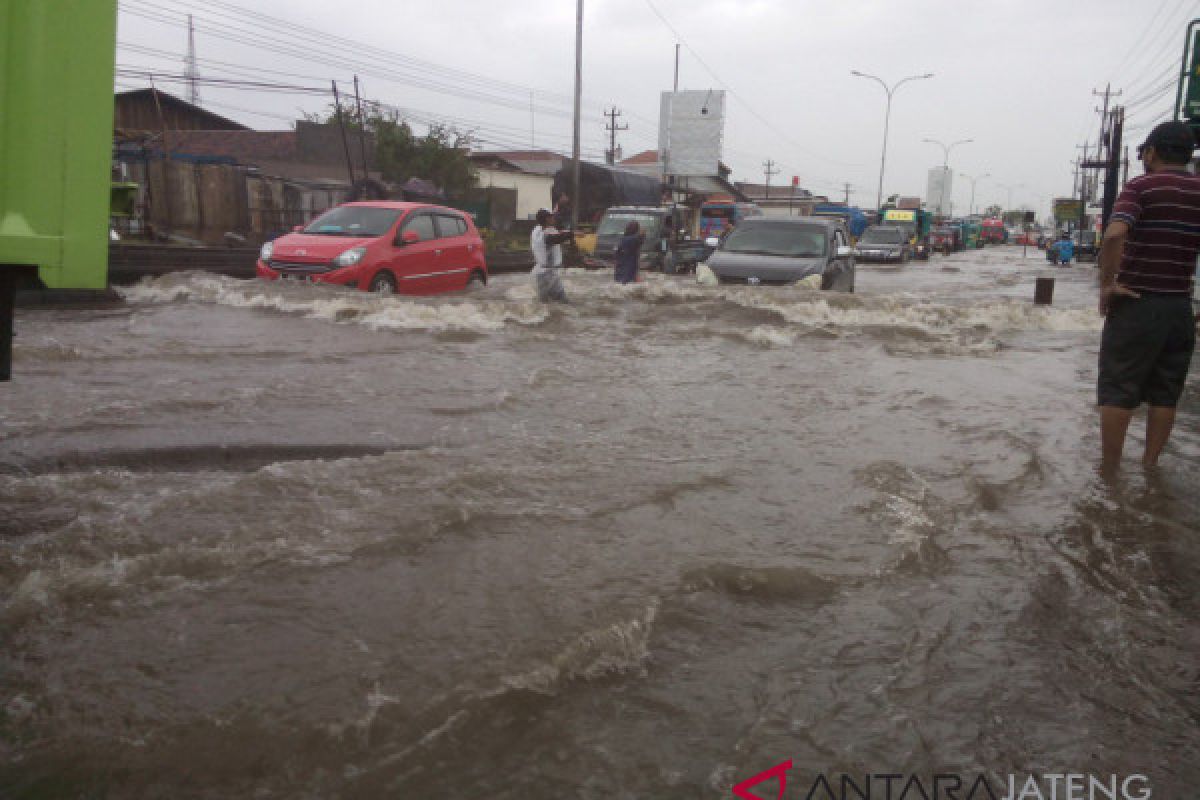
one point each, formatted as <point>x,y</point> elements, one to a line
<point>691,126</point>
<point>939,194</point>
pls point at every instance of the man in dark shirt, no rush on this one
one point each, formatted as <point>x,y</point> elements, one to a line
<point>1147,263</point>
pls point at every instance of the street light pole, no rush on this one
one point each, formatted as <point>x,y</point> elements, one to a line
<point>887,116</point>
<point>971,206</point>
<point>946,148</point>
<point>1008,188</point>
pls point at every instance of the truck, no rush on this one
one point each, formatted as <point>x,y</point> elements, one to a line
<point>916,221</point>
<point>855,218</point>
<point>715,215</point>
<point>55,156</point>
<point>602,187</point>
<point>994,231</point>
<point>667,247</point>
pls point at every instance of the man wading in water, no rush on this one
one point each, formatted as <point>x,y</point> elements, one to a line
<point>546,244</point>
<point>1147,260</point>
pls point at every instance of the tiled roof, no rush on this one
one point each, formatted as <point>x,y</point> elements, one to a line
<point>521,155</point>
<point>246,147</point>
<point>644,157</point>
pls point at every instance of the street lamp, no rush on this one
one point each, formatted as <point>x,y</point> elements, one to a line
<point>887,119</point>
<point>971,206</point>
<point>946,148</point>
<point>1008,188</point>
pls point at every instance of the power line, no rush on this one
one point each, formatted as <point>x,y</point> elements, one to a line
<point>1133,48</point>
<point>488,133</point>
<point>227,21</point>
<point>738,97</point>
<point>363,67</point>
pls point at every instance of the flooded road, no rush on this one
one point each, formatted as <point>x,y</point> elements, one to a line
<point>290,542</point>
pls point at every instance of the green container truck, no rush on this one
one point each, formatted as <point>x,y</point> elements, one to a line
<point>56,113</point>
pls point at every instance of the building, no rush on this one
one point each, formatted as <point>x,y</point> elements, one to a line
<point>781,200</point>
<point>939,192</point>
<point>529,173</point>
<point>204,178</point>
<point>151,110</point>
<point>691,188</point>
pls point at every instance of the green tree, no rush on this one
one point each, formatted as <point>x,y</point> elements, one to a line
<point>439,156</point>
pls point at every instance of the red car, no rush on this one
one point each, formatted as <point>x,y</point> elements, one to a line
<point>385,247</point>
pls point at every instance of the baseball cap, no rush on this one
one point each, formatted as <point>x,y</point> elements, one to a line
<point>1170,138</point>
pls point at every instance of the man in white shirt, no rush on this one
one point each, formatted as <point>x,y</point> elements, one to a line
<point>546,244</point>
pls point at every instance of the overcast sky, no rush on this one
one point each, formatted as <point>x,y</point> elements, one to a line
<point>1016,77</point>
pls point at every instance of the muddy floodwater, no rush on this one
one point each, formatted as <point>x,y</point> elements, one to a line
<point>279,541</point>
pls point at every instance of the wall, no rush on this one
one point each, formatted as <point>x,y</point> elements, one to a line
<point>207,201</point>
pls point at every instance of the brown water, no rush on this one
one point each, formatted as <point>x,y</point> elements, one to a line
<point>281,541</point>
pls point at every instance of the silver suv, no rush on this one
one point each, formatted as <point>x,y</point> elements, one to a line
<point>785,250</point>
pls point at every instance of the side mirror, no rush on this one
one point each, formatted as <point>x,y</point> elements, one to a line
<point>409,237</point>
<point>845,252</point>
<point>297,228</point>
<point>712,241</point>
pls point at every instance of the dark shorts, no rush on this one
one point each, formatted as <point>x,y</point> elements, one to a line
<point>1145,350</point>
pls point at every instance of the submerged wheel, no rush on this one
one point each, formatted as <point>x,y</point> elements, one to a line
<point>383,283</point>
<point>477,280</point>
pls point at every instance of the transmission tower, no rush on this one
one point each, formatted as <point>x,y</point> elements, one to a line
<point>191,72</point>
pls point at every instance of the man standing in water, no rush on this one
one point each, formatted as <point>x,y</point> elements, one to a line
<point>546,244</point>
<point>1147,261</point>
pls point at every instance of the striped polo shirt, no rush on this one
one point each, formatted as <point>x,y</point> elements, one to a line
<point>1162,210</point>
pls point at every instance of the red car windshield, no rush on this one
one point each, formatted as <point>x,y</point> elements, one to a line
<point>354,221</point>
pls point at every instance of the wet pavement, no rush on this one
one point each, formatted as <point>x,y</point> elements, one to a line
<point>290,541</point>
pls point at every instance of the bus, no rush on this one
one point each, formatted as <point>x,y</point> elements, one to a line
<point>56,161</point>
<point>714,216</point>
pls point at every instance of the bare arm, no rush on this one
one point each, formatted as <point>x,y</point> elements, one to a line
<point>1112,246</point>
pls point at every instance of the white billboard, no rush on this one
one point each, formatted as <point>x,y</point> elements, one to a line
<point>939,194</point>
<point>691,126</point>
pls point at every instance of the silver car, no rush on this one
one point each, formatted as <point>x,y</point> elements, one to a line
<point>786,250</point>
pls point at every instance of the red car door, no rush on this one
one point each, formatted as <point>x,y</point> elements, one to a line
<point>457,250</point>
<point>416,255</point>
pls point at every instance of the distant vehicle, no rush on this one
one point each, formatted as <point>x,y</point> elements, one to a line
<point>666,247</point>
<point>602,187</point>
<point>884,243</point>
<point>855,218</point>
<point>994,231</point>
<point>945,239</point>
<point>385,247</point>
<point>714,216</point>
<point>972,235</point>
<point>1086,246</point>
<point>916,222</point>
<point>779,250</point>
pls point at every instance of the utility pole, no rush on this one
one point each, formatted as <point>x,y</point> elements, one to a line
<point>612,127</point>
<point>362,129</point>
<point>1081,166</point>
<point>1104,120</point>
<point>769,170</point>
<point>675,85</point>
<point>846,188</point>
<point>1112,168</point>
<point>575,198</point>
<point>337,105</point>
<point>192,72</point>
